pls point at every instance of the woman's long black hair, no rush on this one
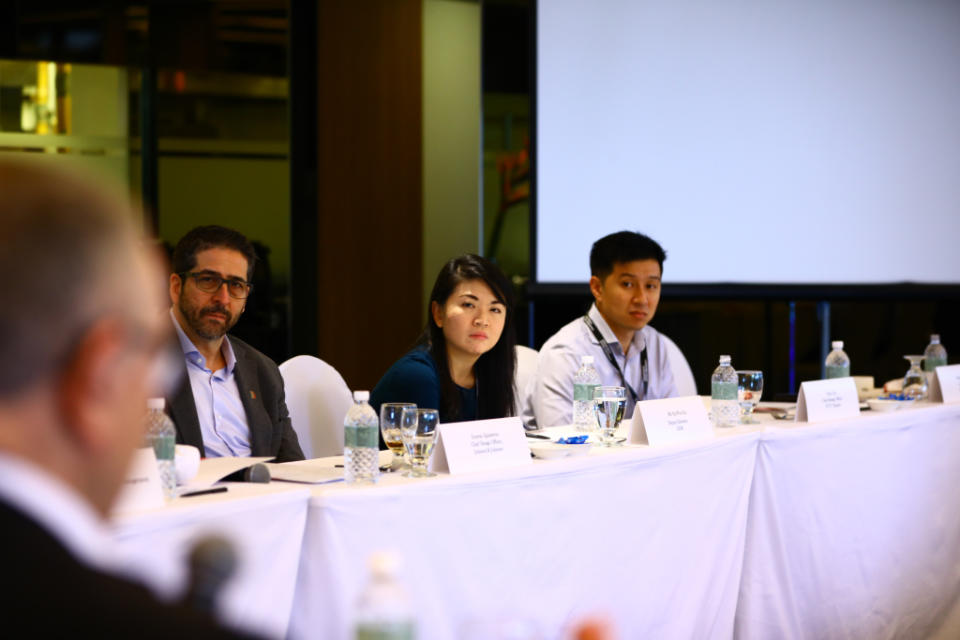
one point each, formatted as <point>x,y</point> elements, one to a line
<point>494,370</point>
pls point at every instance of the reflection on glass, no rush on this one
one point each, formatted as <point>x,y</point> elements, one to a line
<point>749,390</point>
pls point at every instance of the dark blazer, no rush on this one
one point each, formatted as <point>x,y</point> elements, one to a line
<point>50,594</point>
<point>261,391</point>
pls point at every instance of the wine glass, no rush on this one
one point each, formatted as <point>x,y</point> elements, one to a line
<point>390,414</point>
<point>608,405</point>
<point>749,390</point>
<point>418,428</point>
<point>915,383</point>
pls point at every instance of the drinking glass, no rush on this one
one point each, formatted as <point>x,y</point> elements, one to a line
<point>608,405</point>
<point>749,390</point>
<point>418,428</point>
<point>915,383</point>
<point>390,414</point>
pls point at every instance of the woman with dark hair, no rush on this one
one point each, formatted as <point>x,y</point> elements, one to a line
<point>463,363</point>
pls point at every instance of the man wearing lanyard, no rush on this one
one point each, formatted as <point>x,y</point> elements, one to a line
<point>626,269</point>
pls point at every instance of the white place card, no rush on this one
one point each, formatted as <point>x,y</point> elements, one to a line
<point>831,399</point>
<point>945,384</point>
<point>142,489</point>
<point>669,421</point>
<point>480,445</point>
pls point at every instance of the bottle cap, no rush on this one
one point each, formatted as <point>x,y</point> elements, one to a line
<point>361,396</point>
<point>837,344</point>
<point>384,564</point>
<point>724,359</point>
<point>156,403</point>
<point>586,359</point>
<point>934,338</point>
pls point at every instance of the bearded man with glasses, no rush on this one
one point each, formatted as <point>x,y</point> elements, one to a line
<point>231,402</point>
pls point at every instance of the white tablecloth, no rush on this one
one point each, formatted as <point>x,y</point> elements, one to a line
<point>265,523</point>
<point>847,530</point>
<point>854,530</point>
<point>652,538</point>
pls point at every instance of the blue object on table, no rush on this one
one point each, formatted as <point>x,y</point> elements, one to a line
<point>573,440</point>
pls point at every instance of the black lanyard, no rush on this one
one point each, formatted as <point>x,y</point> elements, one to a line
<point>607,351</point>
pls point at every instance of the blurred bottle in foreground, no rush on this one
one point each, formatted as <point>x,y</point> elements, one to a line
<point>724,409</point>
<point>935,354</point>
<point>837,364</point>
<point>383,610</point>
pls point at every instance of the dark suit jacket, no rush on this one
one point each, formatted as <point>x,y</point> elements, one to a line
<point>48,593</point>
<point>261,391</point>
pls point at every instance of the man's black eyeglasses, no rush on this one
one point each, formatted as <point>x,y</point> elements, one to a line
<point>209,283</point>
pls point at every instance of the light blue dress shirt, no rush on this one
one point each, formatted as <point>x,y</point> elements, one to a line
<point>223,420</point>
<point>550,400</point>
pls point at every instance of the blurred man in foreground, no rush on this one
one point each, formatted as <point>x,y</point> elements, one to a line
<point>80,340</point>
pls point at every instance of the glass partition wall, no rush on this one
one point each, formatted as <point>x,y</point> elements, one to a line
<point>189,112</point>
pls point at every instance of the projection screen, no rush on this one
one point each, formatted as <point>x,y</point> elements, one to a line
<point>759,141</point>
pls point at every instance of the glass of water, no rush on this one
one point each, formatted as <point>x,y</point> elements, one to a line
<point>608,405</point>
<point>390,414</point>
<point>915,383</point>
<point>418,428</point>
<point>749,390</point>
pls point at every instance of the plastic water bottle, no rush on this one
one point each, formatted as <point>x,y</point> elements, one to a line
<point>837,364</point>
<point>584,382</point>
<point>361,444</point>
<point>162,436</point>
<point>724,408</point>
<point>383,610</point>
<point>935,354</point>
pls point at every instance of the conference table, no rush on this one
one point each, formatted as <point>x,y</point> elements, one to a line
<point>847,529</point>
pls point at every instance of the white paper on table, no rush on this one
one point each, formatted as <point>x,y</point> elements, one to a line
<point>830,399</point>
<point>480,445</point>
<point>669,421</point>
<point>212,470</point>
<point>945,384</point>
<point>306,472</point>
<point>142,489</point>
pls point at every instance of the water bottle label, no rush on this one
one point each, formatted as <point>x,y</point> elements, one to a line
<point>931,364</point>
<point>837,371</point>
<point>385,631</point>
<point>723,390</point>
<point>164,447</point>
<point>583,392</point>
<point>361,436</point>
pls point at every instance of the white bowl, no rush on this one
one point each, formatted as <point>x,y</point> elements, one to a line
<point>548,450</point>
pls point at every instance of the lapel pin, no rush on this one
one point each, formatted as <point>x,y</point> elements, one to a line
<point>253,396</point>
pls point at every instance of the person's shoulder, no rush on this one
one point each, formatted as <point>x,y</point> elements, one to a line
<point>565,336</point>
<point>242,349</point>
<point>417,362</point>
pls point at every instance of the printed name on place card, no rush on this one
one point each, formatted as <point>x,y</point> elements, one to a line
<point>945,384</point>
<point>669,421</point>
<point>832,399</point>
<point>480,445</point>
<point>142,489</point>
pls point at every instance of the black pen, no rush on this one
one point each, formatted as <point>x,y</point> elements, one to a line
<point>203,492</point>
<point>538,436</point>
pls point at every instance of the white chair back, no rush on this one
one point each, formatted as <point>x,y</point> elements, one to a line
<point>318,399</point>
<point>682,374</point>
<point>523,376</point>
